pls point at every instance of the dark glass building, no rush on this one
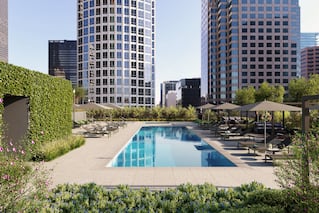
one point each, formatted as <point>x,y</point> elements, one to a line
<point>188,92</point>
<point>62,59</point>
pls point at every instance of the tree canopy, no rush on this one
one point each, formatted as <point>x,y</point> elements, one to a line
<point>301,87</point>
<point>265,92</point>
<point>245,96</point>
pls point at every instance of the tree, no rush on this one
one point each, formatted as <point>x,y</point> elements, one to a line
<point>300,175</point>
<point>270,93</point>
<point>245,96</point>
<point>302,87</point>
<point>296,89</point>
<point>79,94</point>
<point>312,87</point>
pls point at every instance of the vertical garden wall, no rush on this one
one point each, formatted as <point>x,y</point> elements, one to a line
<point>50,101</point>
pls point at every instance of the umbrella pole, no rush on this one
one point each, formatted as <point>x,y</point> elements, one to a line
<point>265,130</point>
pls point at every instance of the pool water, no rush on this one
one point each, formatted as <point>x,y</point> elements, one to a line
<point>168,147</point>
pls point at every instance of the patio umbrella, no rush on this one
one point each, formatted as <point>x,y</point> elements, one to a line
<point>226,106</point>
<point>205,106</point>
<point>268,106</point>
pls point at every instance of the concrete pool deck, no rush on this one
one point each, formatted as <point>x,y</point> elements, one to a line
<point>88,164</point>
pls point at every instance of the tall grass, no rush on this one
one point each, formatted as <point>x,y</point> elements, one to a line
<point>54,149</point>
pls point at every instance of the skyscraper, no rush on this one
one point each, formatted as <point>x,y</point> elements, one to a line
<point>309,61</point>
<point>309,40</point>
<point>247,42</point>
<point>116,51</point>
<point>4,30</point>
<point>166,86</point>
<point>62,59</point>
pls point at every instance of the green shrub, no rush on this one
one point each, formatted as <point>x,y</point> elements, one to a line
<point>184,198</point>
<point>145,114</point>
<point>258,208</point>
<point>54,149</point>
<point>270,197</point>
<point>23,186</point>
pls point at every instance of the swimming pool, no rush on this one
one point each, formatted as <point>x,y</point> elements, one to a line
<point>168,146</point>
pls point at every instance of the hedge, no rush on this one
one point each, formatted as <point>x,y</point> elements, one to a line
<point>50,101</point>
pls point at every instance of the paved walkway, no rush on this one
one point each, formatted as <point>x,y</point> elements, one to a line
<point>88,164</point>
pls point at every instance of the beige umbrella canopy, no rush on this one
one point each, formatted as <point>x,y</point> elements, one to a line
<point>206,106</point>
<point>225,106</point>
<point>268,106</point>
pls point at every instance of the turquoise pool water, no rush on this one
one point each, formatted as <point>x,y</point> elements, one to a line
<point>168,147</point>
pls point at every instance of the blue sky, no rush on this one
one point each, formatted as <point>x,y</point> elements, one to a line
<point>32,23</point>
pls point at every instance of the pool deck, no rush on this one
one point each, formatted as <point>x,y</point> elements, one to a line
<point>88,164</point>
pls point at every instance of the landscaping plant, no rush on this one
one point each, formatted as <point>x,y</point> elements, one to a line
<point>23,185</point>
<point>300,176</point>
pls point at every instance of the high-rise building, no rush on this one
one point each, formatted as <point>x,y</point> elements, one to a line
<point>188,92</point>
<point>247,42</point>
<point>166,86</point>
<point>4,30</point>
<point>309,40</point>
<point>309,61</point>
<point>116,51</point>
<point>63,60</point>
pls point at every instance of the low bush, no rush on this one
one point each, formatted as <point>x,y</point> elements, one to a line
<point>145,114</point>
<point>23,185</point>
<point>258,208</point>
<point>184,198</point>
<point>54,149</point>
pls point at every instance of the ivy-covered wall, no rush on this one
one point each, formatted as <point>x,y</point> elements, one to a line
<point>50,101</point>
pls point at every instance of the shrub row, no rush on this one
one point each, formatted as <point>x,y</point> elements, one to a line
<point>253,197</point>
<point>146,114</point>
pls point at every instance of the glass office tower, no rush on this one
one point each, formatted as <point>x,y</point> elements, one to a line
<point>309,40</point>
<point>62,59</point>
<point>247,42</point>
<point>116,51</point>
<point>4,30</point>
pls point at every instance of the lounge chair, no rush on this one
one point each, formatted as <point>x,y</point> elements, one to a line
<point>95,130</point>
<point>279,156</point>
<point>284,145</point>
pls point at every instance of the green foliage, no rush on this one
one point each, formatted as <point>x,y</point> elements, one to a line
<point>245,96</point>
<point>270,93</point>
<point>252,197</point>
<point>297,88</point>
<point>23,186</point>
<point>300,175</point>
<point>50,101</point>
<point>265,92</point>
<point>303,87</point>
<point>256,208</point>
<point>210,116</point>
<point>79,94</point>
<point>146,114</point>
<point>56,148</point>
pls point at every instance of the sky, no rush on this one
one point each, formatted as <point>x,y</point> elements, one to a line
<point>32,23</point>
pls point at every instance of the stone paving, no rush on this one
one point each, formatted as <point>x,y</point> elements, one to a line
<point>89,164</point>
